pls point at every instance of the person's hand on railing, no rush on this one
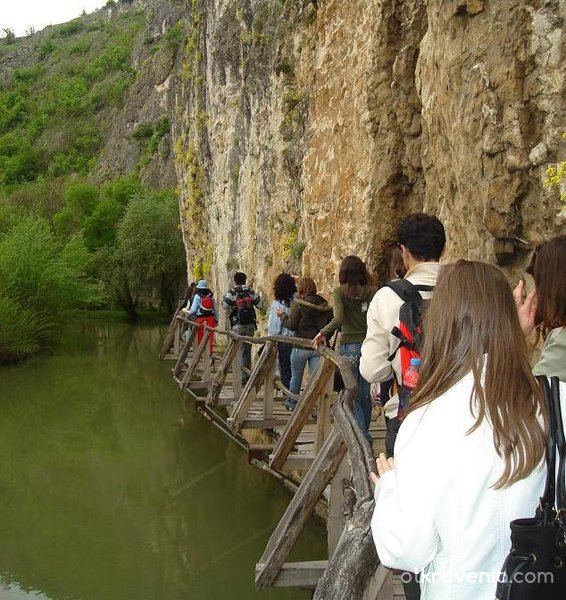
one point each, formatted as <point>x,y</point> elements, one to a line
<point>318,341</point>
<point>383,464</point>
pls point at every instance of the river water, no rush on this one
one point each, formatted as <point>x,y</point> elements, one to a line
<point>109,491</point>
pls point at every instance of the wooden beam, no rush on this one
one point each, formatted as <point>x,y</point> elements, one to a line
<point>313,390</point>
<point>299,510</point>
<point>352,567</point>
<point>185,351</point>
<point>222,373</point>
<point>168,342</point>
<point>269,390</point>
<point>197,354</point>
<point>258,376</point>
<point>323,425</point>
<point>299,574</point>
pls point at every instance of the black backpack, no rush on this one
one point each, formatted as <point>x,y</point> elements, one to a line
<point>410,330</point>
<point>243,312</point>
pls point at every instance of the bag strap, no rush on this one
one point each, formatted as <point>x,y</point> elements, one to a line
<point>561,444</point>
<point>408,291</point>
<point>546,502</point>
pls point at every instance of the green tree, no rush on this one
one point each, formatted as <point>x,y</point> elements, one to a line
<point>148,263</point>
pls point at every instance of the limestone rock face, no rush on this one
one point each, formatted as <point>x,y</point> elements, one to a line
<point>305,130</point>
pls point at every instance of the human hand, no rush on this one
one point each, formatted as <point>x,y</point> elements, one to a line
<point>383,465</point>
<point>526,308</point>
<point>279,312</point>
<point>318,341</point>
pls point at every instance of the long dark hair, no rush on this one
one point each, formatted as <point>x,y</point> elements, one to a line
<point>353,274</point>
<point>284,288</point>
<point>548,269</point>
<point>471,314</point>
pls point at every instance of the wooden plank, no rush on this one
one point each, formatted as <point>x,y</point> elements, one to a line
<point>197,354</point>
<point>299,510</point>
<point>299,462</point>
<point>222,373</point>
<point>262,423</point>
<point>258,376</point>
<point>386,590</point>
<point>300,574</point>
<point>302,412</point>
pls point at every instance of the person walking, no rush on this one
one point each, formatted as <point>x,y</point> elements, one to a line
<point>284,290</point>
<point>420,239</point>
<point>350,302</point>
<point>469,452</point>
<point>240,303</point>
<point>308,314</point>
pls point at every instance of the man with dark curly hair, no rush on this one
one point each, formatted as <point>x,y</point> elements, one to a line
<point>421,240</point>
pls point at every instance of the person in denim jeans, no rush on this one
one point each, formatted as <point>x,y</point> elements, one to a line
<point>351,300</point>
<point>284,289</point>
<point>308,314</point>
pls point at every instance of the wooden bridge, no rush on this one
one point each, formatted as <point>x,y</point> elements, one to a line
<point>326,446</point>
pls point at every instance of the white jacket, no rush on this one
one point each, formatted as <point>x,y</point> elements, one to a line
<point>380,343</point>
<point>383,315</point>
<point>436,513</point>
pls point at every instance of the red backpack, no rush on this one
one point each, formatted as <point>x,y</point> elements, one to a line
<point>410,331</point>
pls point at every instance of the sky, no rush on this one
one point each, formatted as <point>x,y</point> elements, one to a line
<point>21,14</point>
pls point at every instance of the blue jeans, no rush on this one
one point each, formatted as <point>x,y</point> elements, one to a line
<point>299,357</point>
<point>362,406</point>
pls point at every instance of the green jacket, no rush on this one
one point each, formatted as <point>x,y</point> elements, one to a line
<point>350,315</point>
<point>552,361</point>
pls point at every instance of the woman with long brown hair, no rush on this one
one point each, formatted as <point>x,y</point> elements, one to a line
<point>545,306</point>
<point>469,452</point>
<point>350,302</point>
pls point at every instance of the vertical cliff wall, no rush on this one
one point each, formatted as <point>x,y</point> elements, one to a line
<point>306,129</point>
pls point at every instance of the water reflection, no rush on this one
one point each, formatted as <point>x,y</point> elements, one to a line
<point>105,495</point>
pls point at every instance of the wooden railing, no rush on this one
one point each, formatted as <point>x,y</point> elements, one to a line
<point>331,452</point>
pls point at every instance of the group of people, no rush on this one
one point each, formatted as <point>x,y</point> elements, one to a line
<point>466,445</point>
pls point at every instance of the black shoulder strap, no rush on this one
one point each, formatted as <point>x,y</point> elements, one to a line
<point>561,445</point>
<point>546,505</point>
<point>408,291</point>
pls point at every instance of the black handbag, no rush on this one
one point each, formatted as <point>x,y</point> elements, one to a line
<point>535,568</point>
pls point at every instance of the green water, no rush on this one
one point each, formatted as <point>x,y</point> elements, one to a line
<point>110,491</point>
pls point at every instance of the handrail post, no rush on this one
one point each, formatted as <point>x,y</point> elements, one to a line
<point>177,339</point>
<point>237,371</point>
<point>323,425</point>
<point>269,391</point>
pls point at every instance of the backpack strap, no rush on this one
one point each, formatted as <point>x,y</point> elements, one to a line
<point>408,291</point>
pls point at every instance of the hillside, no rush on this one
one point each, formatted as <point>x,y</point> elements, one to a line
<point>88,208</point>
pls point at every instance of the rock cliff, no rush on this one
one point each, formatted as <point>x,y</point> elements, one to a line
<point>305,130</point>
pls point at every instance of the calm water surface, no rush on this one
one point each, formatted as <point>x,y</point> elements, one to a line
<point>105,494</point>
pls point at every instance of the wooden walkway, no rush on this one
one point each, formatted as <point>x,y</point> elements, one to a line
<point>319,440</point>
